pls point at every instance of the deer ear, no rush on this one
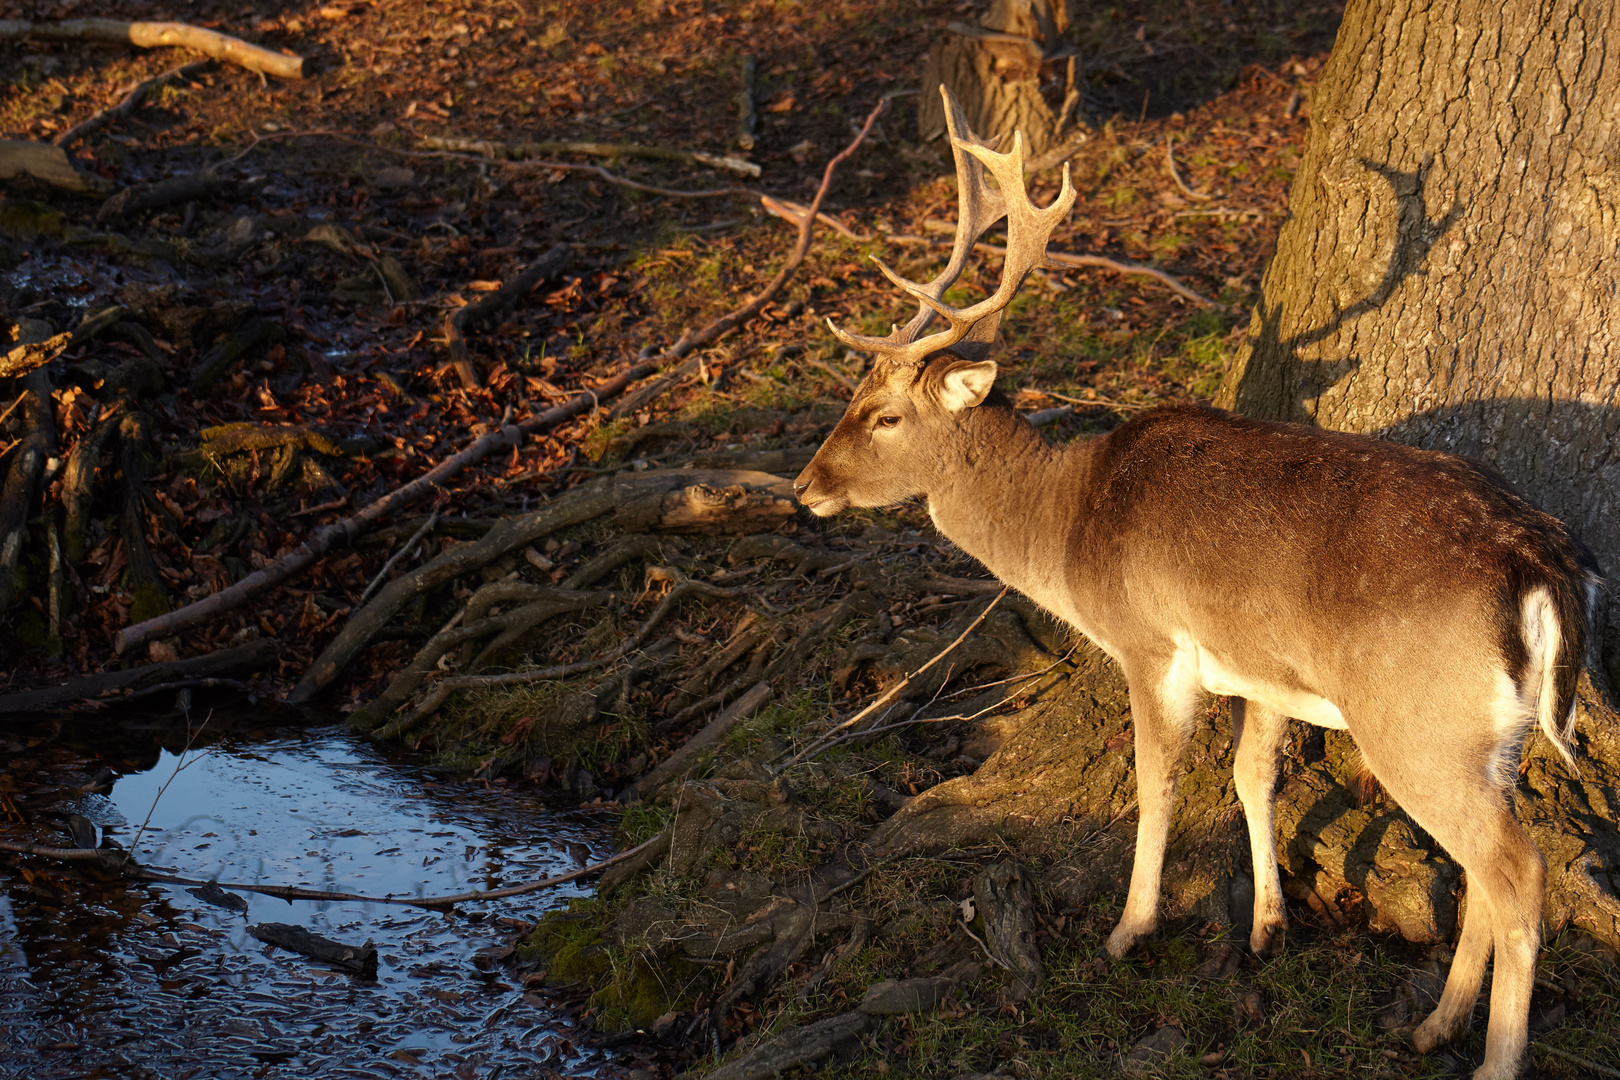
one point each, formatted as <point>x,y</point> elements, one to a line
<point>964,384</point>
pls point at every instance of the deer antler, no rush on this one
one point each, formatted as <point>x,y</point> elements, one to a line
<point>979,207</point>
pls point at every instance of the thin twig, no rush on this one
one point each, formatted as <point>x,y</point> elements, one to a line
<point>1170,160</point>
<point>1574,1060</point>
<point>131,101</point>
<point>1099,262</point>
<point>393,560</point>
<point>994,959</point>
<point>180,766</point>
<point>1099,400</point>
<point>825,739</point>
<point>442,690</point>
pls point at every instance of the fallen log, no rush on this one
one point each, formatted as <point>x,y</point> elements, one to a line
<point>44,164</point>
<point>177,189</point>
<point>357,959</point>
<point>155,35</point>
<point>544,268</point>
<point>253,656</point>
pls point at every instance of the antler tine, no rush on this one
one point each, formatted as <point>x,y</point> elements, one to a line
<point>979,206</point>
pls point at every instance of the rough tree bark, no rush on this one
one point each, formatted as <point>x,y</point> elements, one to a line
<point>995,71</point>
<point>1449,277</point>
<point>1448,274</point>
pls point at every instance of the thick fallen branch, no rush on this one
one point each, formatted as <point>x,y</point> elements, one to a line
<point>344,532</point>
<point>711,735</point>
<point>544,268</point>
<point>23,358</point>
<point>359,959</point>
<point>130,102</point>
<point>43,163</point>
<point>530,151</point>
<point>254,656</point>
<point>177,189</point>
<point>154,35</point>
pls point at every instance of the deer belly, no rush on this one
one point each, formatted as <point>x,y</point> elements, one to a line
<point>1217,678</point>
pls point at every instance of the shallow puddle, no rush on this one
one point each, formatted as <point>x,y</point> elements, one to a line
<point>137,980</point>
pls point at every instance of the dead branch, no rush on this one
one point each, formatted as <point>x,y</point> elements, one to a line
<point>37,445</point>
<point>442,690</point>
<point>544,268</point>
<point>253,656</point>
<point>1170,161</point>
<point>1064,259</point>
<point>393,560</point>
<point>530,151</point>
<point>344,532</point>
<point>356,959</point>
<point>26,356</point>
<point>793,214</point>
<point>130,102</point>
<point>120,859</point>
<point>140,198</point>
<point>544,603</point>
<point>154,35</point>
<point>889,695</point>
<point>717,729</point>
<point>43,163</point>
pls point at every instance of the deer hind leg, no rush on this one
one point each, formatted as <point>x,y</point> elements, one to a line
<point>1162,711</point>
<point>1452,791</point>
<point>1258,733</point>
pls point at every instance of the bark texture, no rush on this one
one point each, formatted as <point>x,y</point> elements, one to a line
<point>1448,275</point>
<point>995,71</point>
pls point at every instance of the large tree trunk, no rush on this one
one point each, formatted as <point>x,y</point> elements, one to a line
<point>1448,274</point>
<point>1449,277</point>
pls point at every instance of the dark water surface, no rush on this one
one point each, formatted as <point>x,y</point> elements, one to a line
<point>138,980</point>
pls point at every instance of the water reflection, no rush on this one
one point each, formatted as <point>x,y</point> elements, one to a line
<point>135,980</point>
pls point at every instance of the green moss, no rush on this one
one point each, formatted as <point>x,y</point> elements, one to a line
<point>25,219</point>
<point>150,602</point>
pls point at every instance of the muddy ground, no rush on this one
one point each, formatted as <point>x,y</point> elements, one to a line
<point>281,362</point>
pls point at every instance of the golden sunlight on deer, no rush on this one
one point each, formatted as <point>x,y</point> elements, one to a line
<point>1405,595</point>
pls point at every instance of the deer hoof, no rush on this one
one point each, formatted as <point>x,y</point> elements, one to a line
<point>1267,941</point>
<point>1433,1033</point>
<point>1124,939</point>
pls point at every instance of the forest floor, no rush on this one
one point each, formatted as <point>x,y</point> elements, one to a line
<point>343,223</point>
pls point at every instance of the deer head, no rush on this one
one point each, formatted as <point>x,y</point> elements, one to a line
<point>903,427</point>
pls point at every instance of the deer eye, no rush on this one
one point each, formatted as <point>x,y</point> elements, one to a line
<point>887,421</point>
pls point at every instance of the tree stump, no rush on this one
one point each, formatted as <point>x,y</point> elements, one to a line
<point>997,71</point>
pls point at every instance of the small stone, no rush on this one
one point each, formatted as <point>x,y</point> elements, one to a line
<point>1153,1049</point>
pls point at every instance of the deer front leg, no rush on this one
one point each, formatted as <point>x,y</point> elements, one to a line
<point>1162,712</point>
<point>1258,734</point>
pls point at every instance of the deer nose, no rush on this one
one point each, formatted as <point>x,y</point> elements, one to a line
<point>802,482</point>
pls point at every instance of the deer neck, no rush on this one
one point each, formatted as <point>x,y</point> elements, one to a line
<point>1007,497</point>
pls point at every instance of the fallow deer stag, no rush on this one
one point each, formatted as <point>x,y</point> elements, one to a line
<point>1407,596</point>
